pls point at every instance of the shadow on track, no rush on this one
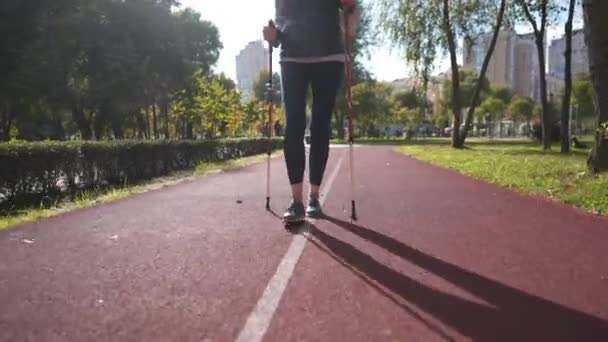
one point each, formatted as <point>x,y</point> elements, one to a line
<point>512,315</point>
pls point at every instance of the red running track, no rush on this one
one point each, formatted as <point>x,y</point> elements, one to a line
<point>435,256</point>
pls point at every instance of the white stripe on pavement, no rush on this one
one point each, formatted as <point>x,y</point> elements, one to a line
<point>259,320</point>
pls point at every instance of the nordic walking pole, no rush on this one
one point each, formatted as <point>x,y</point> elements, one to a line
<point>351,139</point>
<point>269,122</point>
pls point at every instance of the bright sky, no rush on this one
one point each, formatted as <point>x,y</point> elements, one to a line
<point>241,21</point>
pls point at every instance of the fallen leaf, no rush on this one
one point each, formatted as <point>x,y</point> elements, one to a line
<point>568,187</point>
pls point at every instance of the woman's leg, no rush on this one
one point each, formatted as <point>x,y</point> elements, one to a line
<point>326,80</point>
<point>294,83</point>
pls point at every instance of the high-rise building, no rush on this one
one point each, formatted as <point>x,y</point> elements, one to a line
<point>525,68</point>
<point>514,62</point>
<point>557,60</point>
<point>250,61</point>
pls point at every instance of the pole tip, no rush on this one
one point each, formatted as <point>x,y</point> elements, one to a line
<point>354,211</point>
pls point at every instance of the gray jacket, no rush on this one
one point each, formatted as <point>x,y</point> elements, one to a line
<point>309,28</point>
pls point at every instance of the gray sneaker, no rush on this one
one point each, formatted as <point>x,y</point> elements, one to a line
<point>314,207</point>
<point>295,213</point>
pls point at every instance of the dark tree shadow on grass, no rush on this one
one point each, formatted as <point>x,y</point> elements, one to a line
<point>512,315</point>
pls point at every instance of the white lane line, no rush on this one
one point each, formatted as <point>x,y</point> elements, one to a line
<point>259,320</point>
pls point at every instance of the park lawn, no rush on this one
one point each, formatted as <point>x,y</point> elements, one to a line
<point>391,141</point>
<point>524,167</point>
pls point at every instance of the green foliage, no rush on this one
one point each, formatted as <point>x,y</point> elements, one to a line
<point>468,81</point>
<point>409,108</point>
<point>416,27</point>
<point>491,109</point>
<point>582,94</point>
<point>371,104</point>
<point>260,88</point>
<point>502,92</point>
<point>522,108</point>
<point>225,81</point>
<point>40,169</point>
<point>83,68</point>
<point>537,11</point>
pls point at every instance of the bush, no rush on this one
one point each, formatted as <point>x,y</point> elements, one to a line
<point>45,169</point>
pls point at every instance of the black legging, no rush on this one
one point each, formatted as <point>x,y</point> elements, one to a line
<point>325,79</point>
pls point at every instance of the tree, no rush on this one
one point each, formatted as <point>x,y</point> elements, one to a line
<point>255,116</point>
<point>582,97</point>
<point>225,81</point>
<point>425,30</point>
<point>469,81</point>
<point>565,121</point>
<point>371,101</point>
<point>596,27</point>
<point>409,99</point>
<point>491,109</point>
<point>502,92</point>
<point>408,108</point>
<point>19,29</point>
<point>522,108</point>
<point>260,88</point>
<point>539,14</point>
<point>81,68</point>
<point>484,68</point>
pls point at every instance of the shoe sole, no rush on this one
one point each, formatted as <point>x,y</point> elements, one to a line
<point>294,221</point>
<point>314,214</point>
<point>292,225</point>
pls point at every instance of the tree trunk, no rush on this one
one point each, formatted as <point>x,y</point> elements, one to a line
<point>58,129</point>
<point>99,123</point>
<point>543,94</point>
<point>456,104</point>
<point>189,130</point>
<point>482,73</point>
<point>154,121</point>
<point>141,124</point>
<point>565,124</point>
<point>340,124</point>
<point>539,34</point>
<point>84,126</point>
<point>164,113</point>
<point>6,124</point>
<point>596,27</point>
<point>117,129</point>
<point>147,122</point>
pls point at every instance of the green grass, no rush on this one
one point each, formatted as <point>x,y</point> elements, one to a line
<point>391,141</point>
<point>229,165</point>
<point>426,141</point>
<point>91,197</point>
<point>525,167</point>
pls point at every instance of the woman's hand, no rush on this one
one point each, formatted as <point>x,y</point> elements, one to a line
<point>348,4</point>
<point>352,19</point>
<point>270,33</point>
